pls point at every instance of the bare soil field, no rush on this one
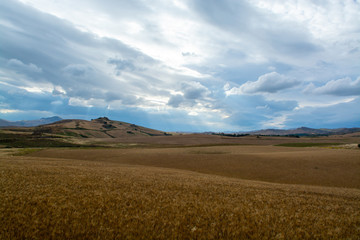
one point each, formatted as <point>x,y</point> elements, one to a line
<point>181,193</point>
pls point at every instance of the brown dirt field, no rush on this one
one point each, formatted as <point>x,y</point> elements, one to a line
<point>102,198</point>
<point>310,166</point>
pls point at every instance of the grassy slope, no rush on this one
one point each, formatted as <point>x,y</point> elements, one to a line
<point>45,198</point>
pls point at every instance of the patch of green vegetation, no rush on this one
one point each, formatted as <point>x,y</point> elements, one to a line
<point>108,126</point>
<point>77,128</point>
<point>19,129</point>
<point>32,141</point>
<point>307,144</point>
<point>29,143</point>
<point>71,134</point>
<point>25,151</point>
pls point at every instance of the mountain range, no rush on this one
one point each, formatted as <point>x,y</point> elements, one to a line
<point>29,123</point>
<point>304,131</point>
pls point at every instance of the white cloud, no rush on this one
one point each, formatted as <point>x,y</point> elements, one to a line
<point>326,20</point>
<point>7,111</point>
<point>191,94</point>
<point>267,83</point>
<point>88,103</point>
<point>339,87</point>
<point>275,122</point>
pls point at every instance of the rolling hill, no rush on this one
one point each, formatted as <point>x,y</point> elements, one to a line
<point>74,133</point>
<point>96,128</point>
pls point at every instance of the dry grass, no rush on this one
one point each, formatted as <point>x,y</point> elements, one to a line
<point>310,166</point>
<point>203,139</point>
<point>52,198</point>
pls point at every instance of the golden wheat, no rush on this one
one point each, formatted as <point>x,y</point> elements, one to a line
<point>43,198</point>
<point>311,166</point>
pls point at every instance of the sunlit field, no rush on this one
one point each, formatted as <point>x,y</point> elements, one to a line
<point>151,194</point>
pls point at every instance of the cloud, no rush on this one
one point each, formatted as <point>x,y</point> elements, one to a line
<point>261,34</point>
<point>77,70</point>
<point>267,83</point>
<point>189,54</point>
<point>121,65</point>
<point>339,87</point>
<point>19,66</point>
<point>192,93</point>
<point>176,100</point>
<point>194,90</point>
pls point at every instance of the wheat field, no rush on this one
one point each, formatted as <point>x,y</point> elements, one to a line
<point>99,198</point>
<point>310,166</point>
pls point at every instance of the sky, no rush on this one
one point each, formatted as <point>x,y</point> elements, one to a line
<point>183,65</point>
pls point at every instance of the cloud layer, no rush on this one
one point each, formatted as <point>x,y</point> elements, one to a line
<point>182,65</point>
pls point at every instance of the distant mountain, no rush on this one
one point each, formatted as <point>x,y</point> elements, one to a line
<point>29,123</point>
<point>304,131</point>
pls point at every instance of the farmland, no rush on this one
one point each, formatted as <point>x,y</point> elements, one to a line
<point>203,192</point>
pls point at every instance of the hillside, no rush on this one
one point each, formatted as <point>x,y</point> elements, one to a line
<point>74,133</point>
<point>96,128</point>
